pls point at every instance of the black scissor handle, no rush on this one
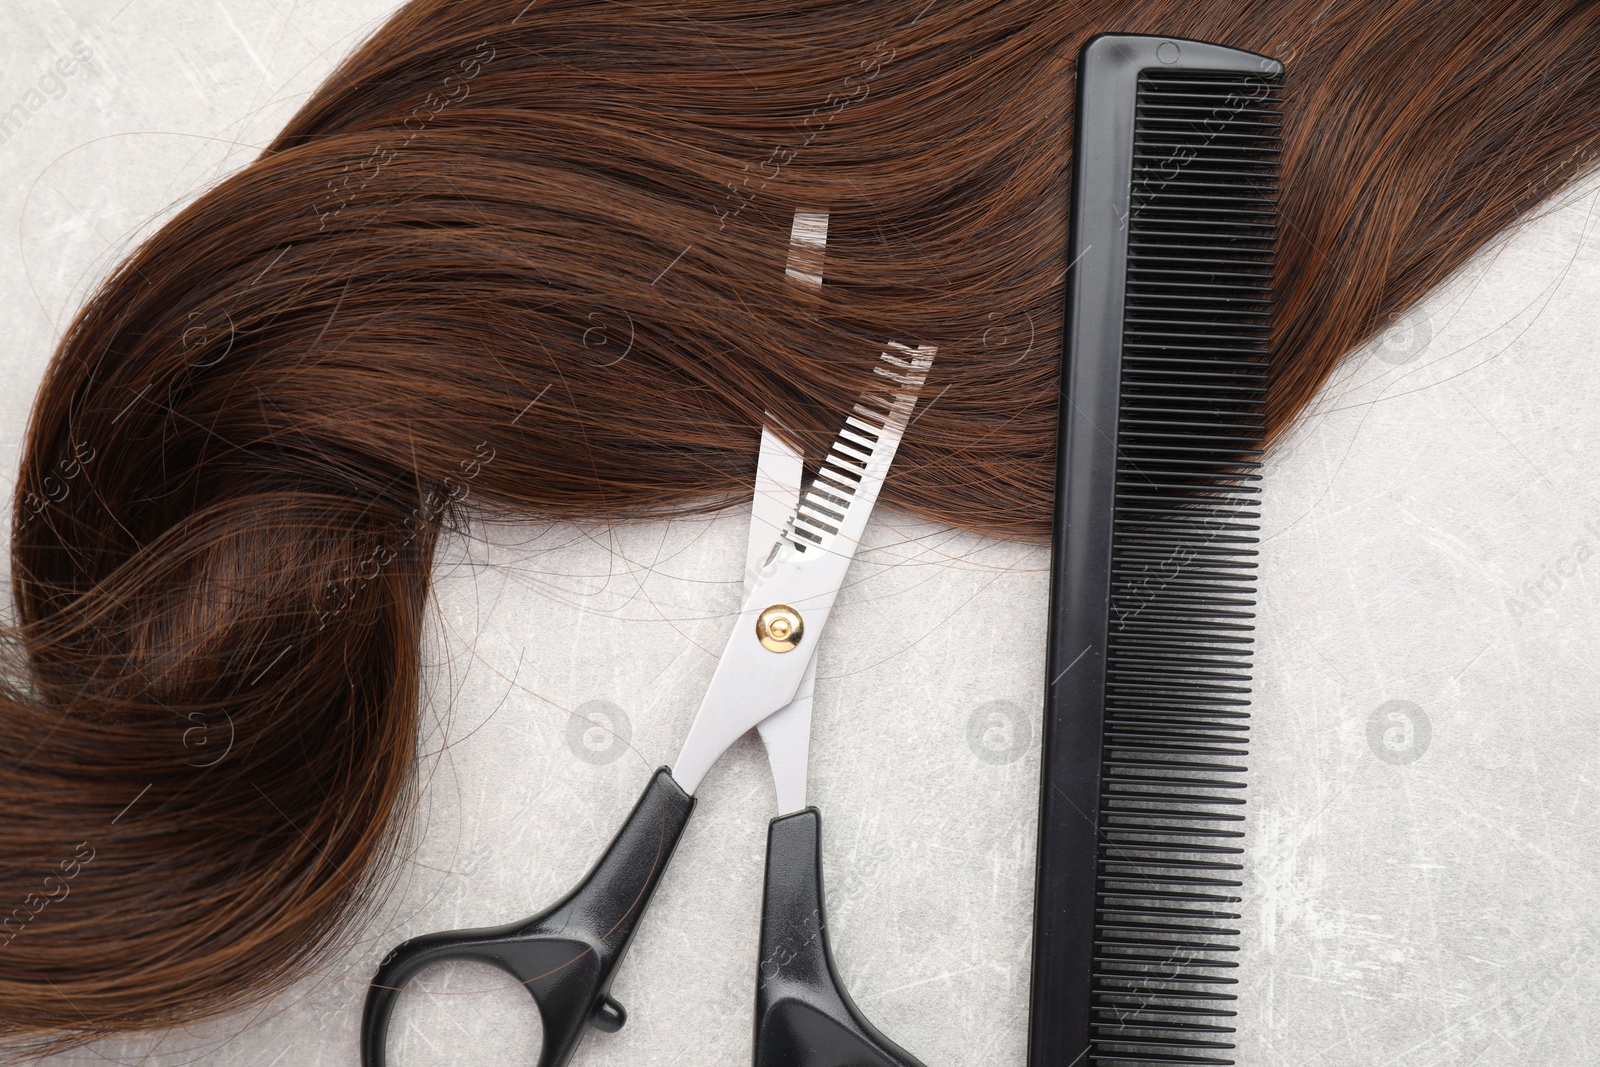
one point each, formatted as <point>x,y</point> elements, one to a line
<point>804,1016</point>
<point>565,955</point>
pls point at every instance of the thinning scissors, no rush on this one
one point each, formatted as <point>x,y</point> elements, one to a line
<point>799,551</point>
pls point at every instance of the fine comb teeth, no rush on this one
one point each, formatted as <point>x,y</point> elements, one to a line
<point>862,449</point>
<point>1141,832</point>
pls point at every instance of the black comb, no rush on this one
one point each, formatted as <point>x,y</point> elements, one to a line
<point>1165,363</point>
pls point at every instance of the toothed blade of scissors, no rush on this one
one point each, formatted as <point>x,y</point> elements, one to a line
<point>806,568</point>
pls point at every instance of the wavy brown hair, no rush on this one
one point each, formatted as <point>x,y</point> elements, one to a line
<point>526,259</point>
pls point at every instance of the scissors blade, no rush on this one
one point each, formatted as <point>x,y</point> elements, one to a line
<point>780,471</point>
<point>806,568</point>
<point>786,733</point>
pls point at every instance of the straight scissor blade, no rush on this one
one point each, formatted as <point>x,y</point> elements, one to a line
<point>786,733</point>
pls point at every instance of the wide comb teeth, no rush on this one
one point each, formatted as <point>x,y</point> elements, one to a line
<point>864,446</point>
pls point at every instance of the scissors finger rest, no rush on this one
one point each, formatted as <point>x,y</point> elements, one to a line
<point>565,955</point>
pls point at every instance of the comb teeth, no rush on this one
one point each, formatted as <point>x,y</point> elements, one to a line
<point>873,427</point>
<point>1201,224</point>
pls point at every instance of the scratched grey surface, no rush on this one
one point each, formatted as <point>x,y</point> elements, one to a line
<point>1422,858</point>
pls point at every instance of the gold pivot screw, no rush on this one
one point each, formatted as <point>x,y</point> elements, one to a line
<point>780,628</point>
